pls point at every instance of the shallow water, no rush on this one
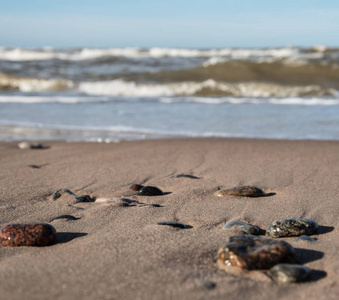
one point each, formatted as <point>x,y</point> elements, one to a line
<point>113,94</point>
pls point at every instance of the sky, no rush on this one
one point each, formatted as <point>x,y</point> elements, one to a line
<point>172,23</point>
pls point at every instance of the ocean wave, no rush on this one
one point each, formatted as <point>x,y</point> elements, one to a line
<point>48,53</point>
<point>204,88</point>
<point>119,87</point>
<point>24,84</point>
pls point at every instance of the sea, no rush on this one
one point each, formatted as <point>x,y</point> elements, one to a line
<point>114,94</point>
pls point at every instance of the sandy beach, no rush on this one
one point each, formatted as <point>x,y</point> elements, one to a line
<point>121,253</point>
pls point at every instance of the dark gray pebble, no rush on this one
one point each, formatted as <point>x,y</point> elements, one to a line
<point>288,273</point>
<point>150,191</point>
<point>84,198</point>
<point>292,227</point>
<point>245,227</point>
<point>175,224</point>
<point>68,217</point>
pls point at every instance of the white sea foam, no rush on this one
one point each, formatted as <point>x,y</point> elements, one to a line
<point>21,54</point>
<point>250,89</point>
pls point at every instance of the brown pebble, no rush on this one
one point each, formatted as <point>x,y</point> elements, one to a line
<point>242,191</point>
<point>135,187</point>
<point>15,235</point>
<point>251,253</point>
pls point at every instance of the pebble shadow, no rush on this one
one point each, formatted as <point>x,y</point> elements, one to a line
<point>325,229</point>
<point>317,275</point>
<point>65,237</point>
<point>304,256</point>
<point>269,194</point>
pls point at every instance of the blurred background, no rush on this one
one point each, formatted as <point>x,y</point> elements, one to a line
<point>126,70</point>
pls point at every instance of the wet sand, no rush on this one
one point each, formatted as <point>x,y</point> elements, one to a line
<point>121,253</point>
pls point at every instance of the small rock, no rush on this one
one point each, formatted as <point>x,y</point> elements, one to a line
<point>242,191</point>
<point>292,227</point>
<point>175,224</point>
<point>15,235</point>
<point>305,238</point>
<point>150,191</point>
<point>26,145</point>
<point>84,198</point>
<point>135,187</point>
<point>251,253</point>
<point>114,201</point>
<point>247,228</point>
<point>287,273</point>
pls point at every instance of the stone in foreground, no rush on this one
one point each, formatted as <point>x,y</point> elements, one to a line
<point>288,273</point>
<point>15,235</point>
<point>150,191</point>
<point>292,227</point>
<point>245,227</point>
<point>254,253</point>
<point>242,191</point>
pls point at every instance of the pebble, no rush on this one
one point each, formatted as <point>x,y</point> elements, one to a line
<point>26,145</point>
<point>253,253</point>
<point>242,191</point>
<point>15,235</point>
<point>84,198</point>
<point>175,224</point>
<point>245,227</point>
<point>292,227</point>
<point>114,201</point>
<point>150,191</point>
<point>68,217</point>
<point>135,187</point>
<point>288,273</point>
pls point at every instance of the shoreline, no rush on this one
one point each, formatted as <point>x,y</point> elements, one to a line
<point>120,252</point>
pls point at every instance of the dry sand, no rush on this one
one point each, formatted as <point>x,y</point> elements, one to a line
<point>120,252</point>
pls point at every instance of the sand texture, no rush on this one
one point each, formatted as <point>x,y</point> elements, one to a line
<point>119,252</point>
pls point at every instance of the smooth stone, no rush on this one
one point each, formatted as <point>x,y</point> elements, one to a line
<point>292,227</point>
<point>288,273</point>
<point>254,253</point>
<point>114,201</point>
<point>245,227</point>
<point>26,145</point>
<point>305,238</point>
<point>135,187</point>
<point>150,191</point>
<point>241,191</point>
<point>15,235</point>
<point>175,224</point>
